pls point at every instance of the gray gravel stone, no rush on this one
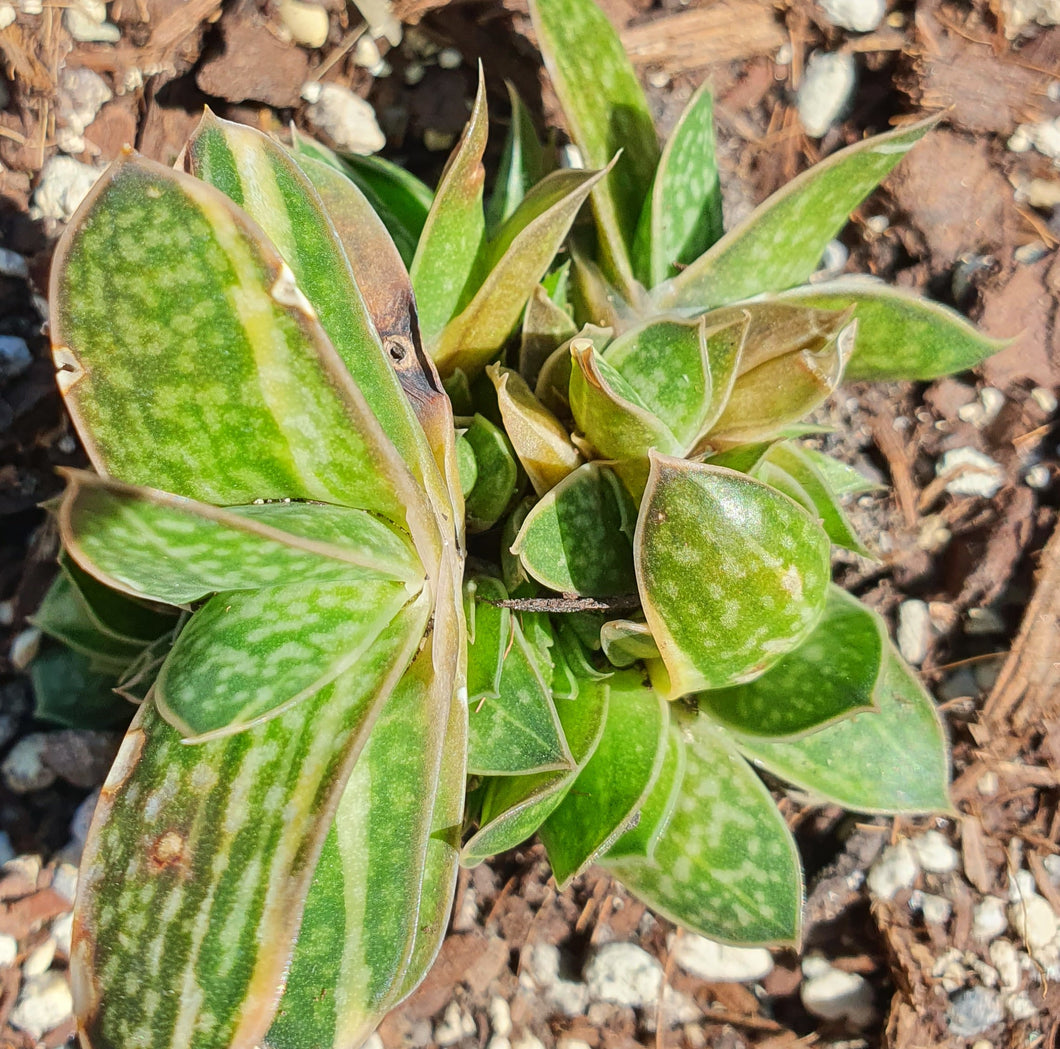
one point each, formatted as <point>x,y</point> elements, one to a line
<point>833,994</point>
<point>973,1011</point>
<point>896,869</point>
<point>15,357</point>
<point>624,974</point>
<point>934,853</point>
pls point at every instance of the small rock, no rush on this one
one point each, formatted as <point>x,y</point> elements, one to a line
<point>988,784</point>
<point>914,630</point>
<point>43,1004</point>
<point>825,91</point>
<point>1045,399</point>
<point>86,21</point>
<point>989,919</point>
<point>8,949</point>
<point>366,55</point>
<point>62,929</point>
<point>63,184</point>
<point>720,963</point>
<point>973,1010</point>
<point>896,869</point>
<point>861,16</point>
<point>374,1041</point>
<point>1020,1007</point>
<point>1038,476</point>
<point>15,357</point>
<point>11,263</point>
<point>457,1023</point>
<point>1021,885</point>
<point>307,23</point>
<point>1006,960</point>
<point>40,958</point>
<point>64,881</point>
<point>82,93</point>
<point>832,994</point>
<point>624,974</point>
<point>572,1043</point>
<point>24,769</point>
<point>540,972</point>
<point>935,853</point>
<point>1051,863</point>
<point>1033,920</point>
<point>978,473</point>
<point>347,119</point>
<point>500,1017</point>
<point>528,1041</point>
<point>1043,136</point>
<point>24,648</point>
<point>1019,14</point>
<point>7,15</point>
<point>498,1042</point>
<point>935,909</point>
<point>450,58</point>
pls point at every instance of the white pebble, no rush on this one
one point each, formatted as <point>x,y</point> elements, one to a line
<point>44,1003</point>
<point>1043,136</point>
<point>1044,398</point>
<point>24,648</point>
<point>861,16</point>
<point>7,15</point>
<point>500,1017</point>
<point>86,21</point>
<point>307,23</point>
<point>914,630</point>
<point>528,1041</point>
<point>24,769</point>
<point>1020,1007</point>
<point>720,963</point>
<point>896,869</point>
<point>572,1043</point>
<point>540,972</point>
<point>457,1023</point>
<point>62,929</point>
<point>40,959</point>
<point>989,919</point>
<point>82,93</point>
<point>624,974</point>
<point>345,117</point>
<point>8,949</point>
<point>1033,920</point>
<point>827,84</point>
<point>979,474</point>
<point>1021,885</point>
<point>64,183</point>
<point>64,881</point>
<point>1038,476</point>
<point>935,853</point>
<point>1006,959</point>
<point>935,909</point>
<point>366,55</point>
<point>1021,13</point>
<point>832,994</point>
<point>450,58</point>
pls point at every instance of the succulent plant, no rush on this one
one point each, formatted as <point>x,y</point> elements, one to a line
<point>496,544</point>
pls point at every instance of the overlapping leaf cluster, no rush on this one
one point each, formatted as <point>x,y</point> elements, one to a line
<point>414,536</point>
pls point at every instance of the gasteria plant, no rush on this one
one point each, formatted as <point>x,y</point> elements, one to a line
<point>590,572</point>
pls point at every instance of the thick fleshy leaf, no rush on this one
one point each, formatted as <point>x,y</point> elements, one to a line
<point>625,641</point>
<point>200,858</point>
<point>191,361</point>
<point>517,582</point>
<point>606,111</point>
<point>522,165</point>
<point>489,633</point>
<point>579,538</point>
<point>446,267</point>
<point>783,390</point>
<point>513,807</point>
<point>831,675</point>
<point>732,574</point>
<point>156,545</point>
<point>615,781</point>
<point>725,866</point>
<point>516,260</point>
<point>900,334</point>
<point>553,381</point>
<point>375,885</point>
<point>69,691</point>
<point>681,370</point>
<point>659,805</point>
<point>892,759</point>
<point>496,473</point>
<point>545,328</point>
<point>793,461</point>
<point>538,437</point>
<point>682,215</point>
<point>781,242</point>
<point>251,654</point>
<point>516,730</point>
<point>842,480</point>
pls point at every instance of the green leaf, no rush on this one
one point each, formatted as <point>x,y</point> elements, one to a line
<point>156,545</point>
<point>659,805</point>
<point>513,807</point>
<point>191,361</point>
<point>489,633</point>
<point>249,655</point>
<point>625,642</point>
<point>445,269</point>
<point>793,461</point>
<point>544,329</point>
<point>516,260</point>
<point>540,440</point>
<point>900,334</point>
<point>780,243</point>
<point>891,759</point>
<point>579,538</point>
<point>522,164</point>
<point>516,731</point>
<point>732,574</point>
<point>831,675</point>
<point>496,474</point>
<point>615,781</point>
<point>725,866</point>
<point>682,215</point>
<point>842,480</point>
<point>553,381</point>
<point>606,111</point>
<point>197,867</point>
<point>68,691</point>
<point>681,370</point>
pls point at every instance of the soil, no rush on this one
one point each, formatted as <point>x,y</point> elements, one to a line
<point>965,219</point>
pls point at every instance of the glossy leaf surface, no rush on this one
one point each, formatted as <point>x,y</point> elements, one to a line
<point>522,164</point>
<point>545,328</point>
<point>732,574</point>
<point>496,474</point>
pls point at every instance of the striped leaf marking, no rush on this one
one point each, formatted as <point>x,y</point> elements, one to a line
<point>725,866</point>
<point>159,546</point>
<point>732,574</point>
<point>200,857</point>
<point>781,242</point>
<point>191,361</point>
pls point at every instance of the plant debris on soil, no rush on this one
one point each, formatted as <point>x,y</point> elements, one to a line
<point>930,932</point>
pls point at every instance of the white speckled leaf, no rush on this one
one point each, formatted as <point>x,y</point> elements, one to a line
<point>159,546</point>
<point>726,865</point>
<point>251,654</point>
<point>891,759</point>
<point>732,574</point>
<point>780,243</point>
